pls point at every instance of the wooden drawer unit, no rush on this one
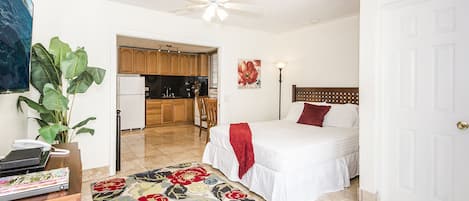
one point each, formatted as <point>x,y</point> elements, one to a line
<point>169,111</point>
<point>153,113</point>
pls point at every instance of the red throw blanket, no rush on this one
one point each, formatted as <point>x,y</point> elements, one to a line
<point>241,141</point>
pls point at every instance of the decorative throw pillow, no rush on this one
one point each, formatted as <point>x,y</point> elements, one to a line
<point>342,116</point>
<point>296,109</point>
<point>313,114</point>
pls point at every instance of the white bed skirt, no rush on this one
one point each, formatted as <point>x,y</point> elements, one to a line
<point>298,183</point>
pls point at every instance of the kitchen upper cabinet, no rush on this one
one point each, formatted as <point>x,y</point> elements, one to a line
<point>193,69</point>
<point>152,63</point>
<point>126,60</point>
<point>183,64</point>
<point>175,64</point>
<point>139,61</point>
<point>164,63</point>
<point>203,65</point>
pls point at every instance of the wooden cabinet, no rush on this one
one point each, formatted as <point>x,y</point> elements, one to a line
<point>152,63</point>
<point>203,65</point>
<point>179,111</point>
<point>189,103</point>
<point>164,63</point>
<point>153,113</point>
<point>175,64</point>
<point>169,111</point>
<point>139,61</point>
<point>125,60</point>
<point>188,65</point>
<point>193,69</point>
<point>183,64</point>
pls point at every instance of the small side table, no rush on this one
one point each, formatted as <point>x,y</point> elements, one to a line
<point>73,162</point>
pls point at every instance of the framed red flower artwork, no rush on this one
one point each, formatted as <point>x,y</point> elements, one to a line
<point>249,74</point>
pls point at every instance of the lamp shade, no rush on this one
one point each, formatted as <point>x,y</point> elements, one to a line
<point>281,64</point>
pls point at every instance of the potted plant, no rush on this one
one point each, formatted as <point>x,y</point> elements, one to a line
<point>59,75</point>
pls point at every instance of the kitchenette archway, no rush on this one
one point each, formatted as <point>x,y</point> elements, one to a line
<point>158,85</point>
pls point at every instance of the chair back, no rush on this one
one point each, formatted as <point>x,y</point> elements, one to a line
<point>200,105</point>
<point>211,106</point>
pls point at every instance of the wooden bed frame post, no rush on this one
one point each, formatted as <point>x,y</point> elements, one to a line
<point>293,93</point>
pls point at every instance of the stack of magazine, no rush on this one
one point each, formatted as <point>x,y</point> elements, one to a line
<point>21,186</point>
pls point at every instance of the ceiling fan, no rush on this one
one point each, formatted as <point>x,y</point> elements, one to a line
<point>217,8</point>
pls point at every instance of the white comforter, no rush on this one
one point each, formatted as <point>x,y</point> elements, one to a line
<point>324,158</point>
<point>284,144</point>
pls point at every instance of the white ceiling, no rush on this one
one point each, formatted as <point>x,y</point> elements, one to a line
<point>274,15</point>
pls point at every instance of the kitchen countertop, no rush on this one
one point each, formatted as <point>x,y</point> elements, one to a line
<point>169,98</point>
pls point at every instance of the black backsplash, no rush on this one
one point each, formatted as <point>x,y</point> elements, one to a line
<point>178,84</point>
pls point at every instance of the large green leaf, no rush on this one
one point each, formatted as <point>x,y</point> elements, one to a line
<point>48,133</point>
<point>41,122</point>
<point>85,130</point>
<point>59,49</point>
<point>48,117</point>
<point>97,73</point>
<point>32,104</point>
<point>84,122</point>
<point>80,84</point>
<point>74,64</point>
<point>43,69</point>
<point>53,99</point>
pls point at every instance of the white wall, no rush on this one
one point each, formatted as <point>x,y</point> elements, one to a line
<point>95,23</point>
<point>13,124</point>
<point>324,55</point>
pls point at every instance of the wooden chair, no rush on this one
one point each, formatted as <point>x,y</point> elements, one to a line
<point>202,113</point>
<point>211,106</point>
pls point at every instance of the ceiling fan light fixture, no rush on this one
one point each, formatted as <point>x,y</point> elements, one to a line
<point>210,12</point>
<point>222,14</point>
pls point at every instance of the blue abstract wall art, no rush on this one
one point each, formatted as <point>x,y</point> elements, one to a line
<point>16,21</point>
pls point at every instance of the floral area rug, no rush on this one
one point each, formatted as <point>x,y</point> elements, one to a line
<point>188,182</point>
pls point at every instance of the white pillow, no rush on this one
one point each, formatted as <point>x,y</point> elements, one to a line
<point>342,116</point>
<point>296,109</point>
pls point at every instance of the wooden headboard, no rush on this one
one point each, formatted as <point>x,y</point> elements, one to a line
<point>329,95</point>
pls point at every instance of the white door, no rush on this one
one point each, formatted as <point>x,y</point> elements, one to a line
<point>425,58</point>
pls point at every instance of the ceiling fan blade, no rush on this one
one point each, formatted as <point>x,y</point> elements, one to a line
<point>198,1</point>
<point>246,13</point>
<point>187,9</point>
<point>240,6</point>
<point>234,1</point>
<point>243,9</point>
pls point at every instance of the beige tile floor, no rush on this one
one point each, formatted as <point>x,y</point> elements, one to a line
<point>160,147</point>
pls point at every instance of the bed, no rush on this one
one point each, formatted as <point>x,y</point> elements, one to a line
<point>293,161</point>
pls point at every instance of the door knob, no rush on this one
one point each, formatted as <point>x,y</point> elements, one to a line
<point>462,125</point>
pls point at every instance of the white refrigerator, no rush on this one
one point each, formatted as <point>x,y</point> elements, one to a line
<point>131,101</point>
